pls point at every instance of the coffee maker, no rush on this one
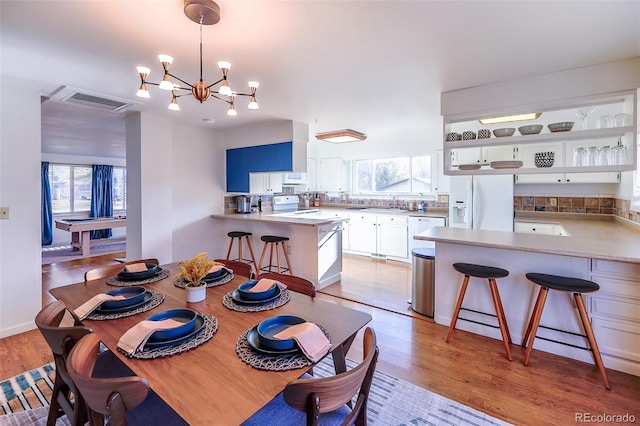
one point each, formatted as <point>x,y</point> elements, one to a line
<point>243,204</point>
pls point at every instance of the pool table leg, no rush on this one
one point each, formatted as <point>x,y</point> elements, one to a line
<point>86,243</point>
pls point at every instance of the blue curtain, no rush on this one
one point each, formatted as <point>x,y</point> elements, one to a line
<point>46,223</point>
<point>101,197</point>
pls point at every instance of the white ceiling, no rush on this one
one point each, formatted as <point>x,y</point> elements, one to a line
<point>375,66</point>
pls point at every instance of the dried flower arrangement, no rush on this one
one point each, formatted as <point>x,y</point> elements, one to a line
<point>195,269</point>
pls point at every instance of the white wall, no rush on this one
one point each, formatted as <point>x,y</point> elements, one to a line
<point>20,236</point>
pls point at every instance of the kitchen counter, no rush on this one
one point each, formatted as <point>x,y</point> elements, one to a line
<point>599,248</point>
<point>602,237</point>
<point>275,218</point>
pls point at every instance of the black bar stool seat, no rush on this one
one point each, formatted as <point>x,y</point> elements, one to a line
<point>490,273</point>
<point>577,286</point>
<point>240,235</point>
<point>269,242</point>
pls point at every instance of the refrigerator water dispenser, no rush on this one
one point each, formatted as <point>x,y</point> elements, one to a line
<point>459,218</point>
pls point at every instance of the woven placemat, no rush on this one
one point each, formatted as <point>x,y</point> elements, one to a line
<point>272,362</point>
<point>179,280</point>
<point>208,330</point>
<point>156,299</point>
<point>285,296</point>
<point>117,282</point>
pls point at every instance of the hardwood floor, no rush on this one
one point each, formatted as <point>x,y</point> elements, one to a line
<point>471,369</point>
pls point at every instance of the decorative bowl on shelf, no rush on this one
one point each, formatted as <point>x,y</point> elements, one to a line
<point>544,159</point>
<point>532,129</point>
<point>563,126</point>
<point>453,136</point>
<point>468,135</point>
<point>507,131</point>
<point>484,134</point>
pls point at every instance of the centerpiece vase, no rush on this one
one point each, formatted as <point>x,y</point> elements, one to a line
<point>196,293</point>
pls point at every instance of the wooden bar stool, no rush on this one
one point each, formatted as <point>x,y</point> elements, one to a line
<point>270,241</point>
<point>239,235</point>
<point>489,273</point>
<point>576,286</point>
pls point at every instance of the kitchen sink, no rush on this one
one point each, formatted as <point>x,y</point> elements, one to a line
<point>386,211</point>
<point>544,228</point>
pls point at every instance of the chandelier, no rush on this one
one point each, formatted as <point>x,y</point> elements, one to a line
<point>203,12</point>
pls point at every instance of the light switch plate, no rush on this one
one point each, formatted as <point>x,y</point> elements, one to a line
<point>4,212</point>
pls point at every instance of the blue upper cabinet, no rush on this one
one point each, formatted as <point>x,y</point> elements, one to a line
<point>277,157</point>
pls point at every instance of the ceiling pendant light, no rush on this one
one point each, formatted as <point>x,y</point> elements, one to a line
<point>203,12</point>
<point>341,136</point>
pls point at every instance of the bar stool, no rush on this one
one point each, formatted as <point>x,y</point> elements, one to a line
<point>489,273</point>
<point>269,242</point>
<point>239,235</point>
<point>576,286</point>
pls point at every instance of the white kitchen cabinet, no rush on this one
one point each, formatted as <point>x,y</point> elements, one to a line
<point>362,232</point>
<point>392,236</point>
<point>482,150</point>
<point>439,181</point>
<point>333,175</point>
<point>265,183</point>
<point>614,311</point>
<point>312,175</point>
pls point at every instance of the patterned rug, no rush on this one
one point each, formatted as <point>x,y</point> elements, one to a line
<point>392,401</point>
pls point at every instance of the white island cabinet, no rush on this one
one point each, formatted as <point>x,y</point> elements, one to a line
<point>614,310</point>
<point>314,246</point>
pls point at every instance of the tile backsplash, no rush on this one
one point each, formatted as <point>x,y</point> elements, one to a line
<point>589,204</point>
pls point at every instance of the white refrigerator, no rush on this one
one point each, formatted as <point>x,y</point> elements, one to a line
<point>481,202</point>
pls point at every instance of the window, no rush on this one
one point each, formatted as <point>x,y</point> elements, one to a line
<point>71,188</point>
<point>399,174</point>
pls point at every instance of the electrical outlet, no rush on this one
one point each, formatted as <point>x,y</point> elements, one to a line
<point>4,212</point>
<point>289,250</point>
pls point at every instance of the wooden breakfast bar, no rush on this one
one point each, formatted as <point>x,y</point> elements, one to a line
<point>81,231</point>
<point>210,384</point>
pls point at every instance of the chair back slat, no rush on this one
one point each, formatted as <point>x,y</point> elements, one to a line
<point>100,393</point>
<point>331,393</point>
<point>239,268</point>
<point>293,283</point>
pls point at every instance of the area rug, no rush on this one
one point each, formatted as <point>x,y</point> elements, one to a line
<point>392,401</point>
<point>64,253</point>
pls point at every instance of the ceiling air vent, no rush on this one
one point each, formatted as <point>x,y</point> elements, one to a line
<point>85,98</point>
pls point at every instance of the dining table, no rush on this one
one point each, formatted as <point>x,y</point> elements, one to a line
<point>211,384</point>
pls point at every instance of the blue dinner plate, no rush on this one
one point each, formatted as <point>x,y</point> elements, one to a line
<point>215,276</point>
<point>199,325</point>
<point>274,325</point>
<point>245,292</point>
<point>237,298</point>
<point>185,316</point>
<point>151,271</point>
<point>132,295</point>
<point>254,342</point>
<point>105,311</point>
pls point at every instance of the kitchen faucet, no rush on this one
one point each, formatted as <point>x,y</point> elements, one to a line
<point>395,202</point>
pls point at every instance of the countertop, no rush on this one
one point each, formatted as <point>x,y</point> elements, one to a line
<point>273,217</point>
<point>591,236</point>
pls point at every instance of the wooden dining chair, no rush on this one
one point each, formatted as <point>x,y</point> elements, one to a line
<point>325,399</point>
<point>239,268</point>
<point>111,270</point>
<point>65,398</point>
<point>293,283</point>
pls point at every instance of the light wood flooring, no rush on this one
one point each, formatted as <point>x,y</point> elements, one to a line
<point>471,369</point>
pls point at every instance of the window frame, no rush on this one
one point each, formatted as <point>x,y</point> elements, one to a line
<point>411,192</point>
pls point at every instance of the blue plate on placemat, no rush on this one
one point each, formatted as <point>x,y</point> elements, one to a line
<point>199,325</point>
<point>147,297</point>
<point>245,292</point>
<point>215,276</point>
<point>151,271</point>
<point>254,342</point>
<point>274,325</point>
<point>185,316</point>
<point>132,295</point>
<point>235,295</point>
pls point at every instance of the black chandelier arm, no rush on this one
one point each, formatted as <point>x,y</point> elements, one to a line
<point>242,94</point>
<point>213,84</point>
<point>181,81</point>
<point>222,99</point>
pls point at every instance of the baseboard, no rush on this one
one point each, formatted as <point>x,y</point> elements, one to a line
<point>17,329</point>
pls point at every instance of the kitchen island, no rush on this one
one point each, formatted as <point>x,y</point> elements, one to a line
<point>315,240</point>
<point>606,251</point>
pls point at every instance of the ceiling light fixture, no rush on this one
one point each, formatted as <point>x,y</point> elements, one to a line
<point>510,118</point>
<point>203,12</point>
<point>341,136</point>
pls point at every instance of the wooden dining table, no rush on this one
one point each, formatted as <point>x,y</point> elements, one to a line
<point>210,384</point>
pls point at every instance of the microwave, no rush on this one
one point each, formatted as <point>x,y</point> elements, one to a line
<point>294,179</point>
